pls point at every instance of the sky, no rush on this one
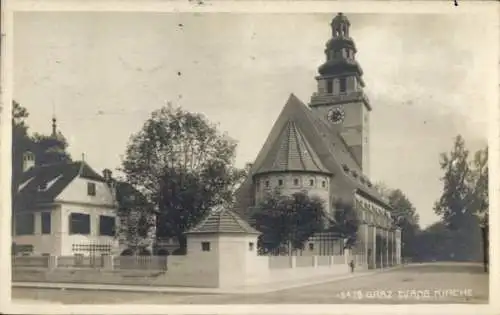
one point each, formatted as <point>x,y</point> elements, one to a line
<point>102,74</point>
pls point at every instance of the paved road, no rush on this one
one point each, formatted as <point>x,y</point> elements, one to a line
<point>429,283</point>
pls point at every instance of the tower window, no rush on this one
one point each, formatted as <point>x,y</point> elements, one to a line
<point>205,246</point>
<point>347,53</point>
<point>296,182</point>
<point>267,183</point>
<point>311,182</point>
<point>323,184</point>
<point>342,85</point>
<point>329,86</point>
<point>280,182</point>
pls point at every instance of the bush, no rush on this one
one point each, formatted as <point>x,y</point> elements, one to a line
<point>127,252</point>
<point>144,252</point>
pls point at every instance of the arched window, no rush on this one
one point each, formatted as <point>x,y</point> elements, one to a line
<point>342,85</point>
<point>329,86</point>
<point>311,182</point>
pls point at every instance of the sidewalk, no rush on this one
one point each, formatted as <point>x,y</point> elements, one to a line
<point>250,289</point>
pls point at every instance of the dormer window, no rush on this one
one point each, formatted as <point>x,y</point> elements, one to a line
<point>345,167</point>
<point>91,189</point>
<point>42,187</point>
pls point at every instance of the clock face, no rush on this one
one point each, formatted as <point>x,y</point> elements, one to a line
<point>336,115</point>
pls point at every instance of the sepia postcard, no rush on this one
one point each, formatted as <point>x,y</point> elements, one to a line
<point>236,157</point>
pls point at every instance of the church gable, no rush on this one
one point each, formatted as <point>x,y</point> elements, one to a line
<point>296,131</point>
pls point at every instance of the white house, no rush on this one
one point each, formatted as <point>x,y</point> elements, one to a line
<point>64,209</point>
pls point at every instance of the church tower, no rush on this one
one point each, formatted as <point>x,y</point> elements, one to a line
<point>340,98</point>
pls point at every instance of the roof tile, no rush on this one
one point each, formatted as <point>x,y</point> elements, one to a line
<point>223,220</point>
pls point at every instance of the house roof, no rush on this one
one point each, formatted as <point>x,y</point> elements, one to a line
<point>42,184</point>
<point>129,197</point>
<point>291,152</point>
<point>327,144</point>
<point>223,220</point>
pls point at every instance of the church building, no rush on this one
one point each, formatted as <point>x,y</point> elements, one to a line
<point>323,148</point>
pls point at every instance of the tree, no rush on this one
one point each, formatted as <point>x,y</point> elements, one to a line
<point>134,230</point>
<point>346,223</point>
<point>464,196</point>
<point>21,143</point>
<point>453,205</point>
<point>183,166</point>
<point>50,149</point>
<point>288,221</point>
<point>478,182</point>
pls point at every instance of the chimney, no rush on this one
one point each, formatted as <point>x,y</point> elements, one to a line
<point>107,175</point>
<point>28,160</point>
<point>248,167</point>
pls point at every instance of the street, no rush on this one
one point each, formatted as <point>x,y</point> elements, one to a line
<point>426,283</point>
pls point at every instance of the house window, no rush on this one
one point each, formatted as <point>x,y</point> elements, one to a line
<point>46,222</point>
<point>267,183</point>
<point>280,182</point>
<point>323,184</point>
<point>257,185</point>
<point>106,225</point>
<point>311,246</point>
<point>296,182</point>
<point>329,86</point>
<point>311,182</point>
<point>250,246</point>
<point>25,224</point>
<point>23,249</point>
<point>205,246</point>
<point>91,189</point>
<point>79,223</point>
<point>342,85</point>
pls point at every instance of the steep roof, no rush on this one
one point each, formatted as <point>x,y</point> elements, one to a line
<point>291,152</point>
<point>128,197</point>
<point>327,144</point>
<point>223,220</point>
<point>53,179</point>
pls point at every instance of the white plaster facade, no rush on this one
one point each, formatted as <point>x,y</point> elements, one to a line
<point>72,199</point>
